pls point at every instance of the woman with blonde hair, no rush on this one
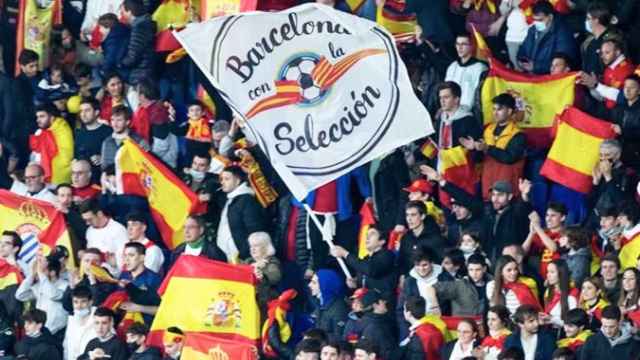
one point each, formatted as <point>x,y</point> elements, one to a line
<point>266,267</point>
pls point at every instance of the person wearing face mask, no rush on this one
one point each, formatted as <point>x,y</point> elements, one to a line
<point>79,325</point>
<point>38,343</point>
<point>136,339</point>
<point>204,183</point>
<point>598,24</point>
<point>548,35</point>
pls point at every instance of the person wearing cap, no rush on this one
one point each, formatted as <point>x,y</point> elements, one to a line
<point>173,341</point>
<point>421,190</point>
<point>503,146</point>
<point>136,343</point>
<point>136,229</point>
<point>376,324</point>
<point>353,326</point>
<point>423,231</point>
<point>374,271</point>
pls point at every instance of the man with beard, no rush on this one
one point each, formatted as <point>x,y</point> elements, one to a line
<point>534,342</point>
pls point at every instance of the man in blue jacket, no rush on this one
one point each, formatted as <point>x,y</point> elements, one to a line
<point>535,343</point>
<point>548,35</point>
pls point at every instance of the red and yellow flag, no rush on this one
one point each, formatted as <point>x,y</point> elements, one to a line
<point>575,342</point>
<point>38,223</point>
<point>221,301</point>
<point>34,29</point>
<point>483,52</point>
<point>536,110</point>
<point>630,249</point>
<point>575,150</point>
<point>54,146</point>
<point>355,5</point>
<point>367,218</point>
<point>453,321</point>
<point>170,15</point>
<point>277,314</point>
<point>171,200</point>
<point>9,275</point>
<point>429,149</point>
<point>207,347</point>
<point>113,302</point>
<point>560,6</point>
<point>455,166</point>
<point>213,8</point>
<point>394,19</point>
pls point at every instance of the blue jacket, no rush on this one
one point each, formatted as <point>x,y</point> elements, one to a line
<point>114,48</point>
<point>559,39</point>
<point>544,349</point>
<point>343,188</point>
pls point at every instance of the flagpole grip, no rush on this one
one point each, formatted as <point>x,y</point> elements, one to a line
<point>328,239</point>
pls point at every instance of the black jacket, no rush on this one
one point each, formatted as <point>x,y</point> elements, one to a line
<point>332,319</point>
<point>113,347</point>
<point>376,271</point>
<point>544,349</point>
<point>245,216</point>
<point>465,126</point>
<point>390,178</point>
<point>599,347</point>
<point>430,237</point>
<point>447,349</point>
<point>140,56</point>
<point>43,347</point>
<point>99,293</point>
<point>628,118</point>
<point>379,328</point>
<point>18,114</point>
<point>150,353</point>
<point>209,250</point>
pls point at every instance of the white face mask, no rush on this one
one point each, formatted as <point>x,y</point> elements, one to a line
<point>82,312</point>
<point>468,249</point>
<point>197,175</point>
<point>32,333</point>
<point>587,26</point>
<point>540,26</point>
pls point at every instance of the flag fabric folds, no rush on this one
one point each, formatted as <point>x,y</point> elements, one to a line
<point>536,110</point>
<point>208,347</point>
<point>483,52</point>
<point>394,19</point>
<point>53,148</point>
<point>455,166</point>
<point>171,201</point>
<point>575,149</point>
<point>34,29</point>
<point>39,224</point>
<point>221,300</point>
<point>630,249</point>
<point>367,218</point>
<point>170,15</point>
<point>276,313</point>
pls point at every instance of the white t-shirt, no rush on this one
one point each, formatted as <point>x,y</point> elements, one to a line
<point>109,239</point>
<point>556,311</point>
<point>517,26</point>
<point>529,347</point>
<point>511,300</point>
<point>79,332</point>
<point>153,256</point>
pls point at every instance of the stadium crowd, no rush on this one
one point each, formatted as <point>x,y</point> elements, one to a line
<point>523,267</point>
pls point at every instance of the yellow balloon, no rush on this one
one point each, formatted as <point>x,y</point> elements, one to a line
<point>73,104</point>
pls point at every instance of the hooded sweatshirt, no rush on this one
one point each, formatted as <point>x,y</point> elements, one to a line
<point>446,140</point>
<point>225,238</point>
<point>332,312</point>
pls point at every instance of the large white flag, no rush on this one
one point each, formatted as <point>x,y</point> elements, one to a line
<point>322,91</point>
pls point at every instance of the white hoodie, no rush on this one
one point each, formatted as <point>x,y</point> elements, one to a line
<point>225,238</point>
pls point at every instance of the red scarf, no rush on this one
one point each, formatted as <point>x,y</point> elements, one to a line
<point>495,342</point>
<point>556,299</point>
<point>432,340</point>
<point>523,293</point>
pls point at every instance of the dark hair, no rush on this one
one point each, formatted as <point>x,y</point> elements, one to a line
<point>577,317</point>
<point>601,12</point>
<point>148,89</point>
<point>611,312</point>
<point>563,353</point>
<point>54,264</point>
<point>203,155</point>
<point>497,297</point>
<point>81,70</point>
<point>35,315</point>
<point>316,334</point>
<point>199,220</point>
<point>175,330</point>
<point>137,217</point>
<point>236,171</point>
<point>452,86</point>
<point>135,6</point>
<point>16,240</point>
<point>505,100</point>
<point>417,204</point>
<point>195,103</point>
<point>477,259</point>
<point>140,249</point>
<point>631,211</point>
<point>91,101</point>
<point>92,250</point>
<point>558,207</point>
<point>564,57</point>
<point>472,323</point>
<point>345,348</point>
<point>562,287</point>
<point>512,353</point>
<point>49,108</point>
<point>81,292</point>
<point>542,7</point>
<point>456,256</point>
<point>422,253</point>
<point>108,20</point>
<point>617,44</point>
<point>633,77</point>
<point>91,205</point>
<point>415,305</point>
<point>332,343</point>
<point>138,328</point>
<point>62,186</point>
<point>309,346</point>
<point>503,315</point>
<point>525,312</point>
<point>110,75</point>
<point>27,56</point>
<point>104,312</point>
<point>626,299</point>
<point>367,346</point>
<point>577,236</point>
<point>611,257</point>
<point>121,110</point>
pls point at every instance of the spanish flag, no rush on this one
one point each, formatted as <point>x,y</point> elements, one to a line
<point>634,316</point>
<point>575,342</point>
<point>453,321</point>
<point>113,302</point>
<point>54,147</point>
<point>483,52</point>
<point>525,291</point>
<point>560,6</point>
<point>456,167</point>
<point>596,255</point>
<point>213,8</point>
<point>210,347</point>
<point>630,248</point>
<point>596,310</point>
<point>208,297</point>
<point>39,224</point>
<point>10,279</point>
<point>393,17</point>
<point>429,149</point>
<point>277,314</point>
<point>576,149</point>
<point>433,333</point>
<point>9,275</point>
<point>170,15</point>
<point>34,29</point>
<point>171,201</point>
<point>367,218</point>
<point>536,110</point>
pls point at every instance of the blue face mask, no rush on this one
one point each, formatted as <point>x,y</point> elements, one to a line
<point>587,26</point>
<point>540,26</point>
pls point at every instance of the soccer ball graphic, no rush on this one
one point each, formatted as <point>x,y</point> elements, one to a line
<point>299,69</point>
